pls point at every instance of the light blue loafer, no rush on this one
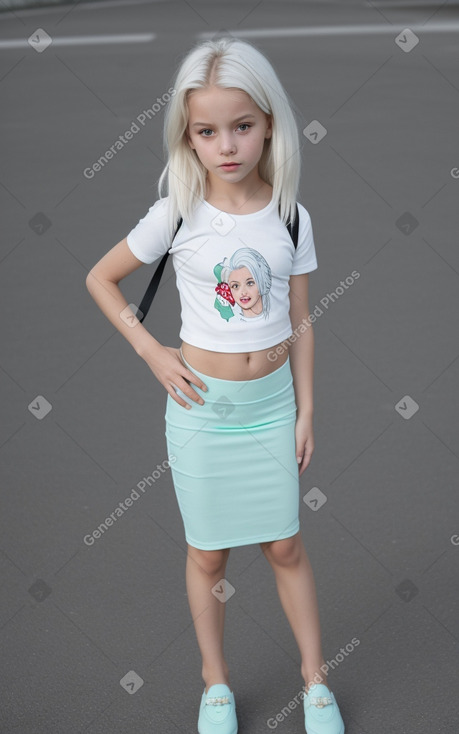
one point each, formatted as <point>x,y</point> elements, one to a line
<point>217,713</point>
<point>321,712</point>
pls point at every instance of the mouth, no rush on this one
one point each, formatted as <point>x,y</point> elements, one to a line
<point>245,300</point>
<point>229,166</point>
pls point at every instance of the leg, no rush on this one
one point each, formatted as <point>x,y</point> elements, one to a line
<point>203,570</point>
<point>297,593</point>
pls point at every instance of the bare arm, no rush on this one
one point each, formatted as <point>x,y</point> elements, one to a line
<point>102,283</point>
<point>301,353</point>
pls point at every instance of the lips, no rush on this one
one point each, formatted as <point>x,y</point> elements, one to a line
<point>229,165</point>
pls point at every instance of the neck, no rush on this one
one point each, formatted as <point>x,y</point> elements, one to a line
<point>252,188</point>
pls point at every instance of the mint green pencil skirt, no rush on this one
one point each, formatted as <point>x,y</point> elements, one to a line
<point>234,470</point>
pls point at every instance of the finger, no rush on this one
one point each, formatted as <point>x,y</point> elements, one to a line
<point>303,466</point>
<point>174,395</point>
<point>190,376</point>
<point>300,456</point>
<point>299,453</point>
<point>192,394</point>
<point>195,380</point>
<point>188,391</point>
<point>306,458</point>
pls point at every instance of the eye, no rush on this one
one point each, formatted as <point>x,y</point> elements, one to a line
<point>207,129</point>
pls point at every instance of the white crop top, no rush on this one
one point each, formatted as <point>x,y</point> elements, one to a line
<point>232,272</point>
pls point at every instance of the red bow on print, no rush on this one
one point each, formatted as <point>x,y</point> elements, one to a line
<point>223,290</point>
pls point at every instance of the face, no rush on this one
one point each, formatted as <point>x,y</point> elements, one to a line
<point>226,125</point>
<point>244,290</point>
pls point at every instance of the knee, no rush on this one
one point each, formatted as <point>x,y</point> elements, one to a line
<point>285,552</point>
<point>211,562</point>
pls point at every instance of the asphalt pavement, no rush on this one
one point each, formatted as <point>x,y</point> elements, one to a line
<point>95,629</point>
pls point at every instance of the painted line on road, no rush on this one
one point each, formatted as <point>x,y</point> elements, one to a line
<point>23,10</point>
<point>84,40</point>
<point>336,30</point>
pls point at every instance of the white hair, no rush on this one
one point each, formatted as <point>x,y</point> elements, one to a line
<point>229,62</point>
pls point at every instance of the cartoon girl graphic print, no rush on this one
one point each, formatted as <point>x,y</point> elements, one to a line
<point>243,284</point>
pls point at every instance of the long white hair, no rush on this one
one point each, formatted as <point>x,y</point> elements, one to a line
<point>229,62</point>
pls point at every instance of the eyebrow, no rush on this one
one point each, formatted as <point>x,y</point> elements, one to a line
<point>209,124</point>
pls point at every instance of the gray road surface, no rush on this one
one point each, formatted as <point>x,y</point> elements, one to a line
<point>97,639</point>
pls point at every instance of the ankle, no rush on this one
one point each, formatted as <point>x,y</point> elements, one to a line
<point>312,677</point>
<point>217,675</point>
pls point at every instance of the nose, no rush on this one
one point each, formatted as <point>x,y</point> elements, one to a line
<point>227,145</point>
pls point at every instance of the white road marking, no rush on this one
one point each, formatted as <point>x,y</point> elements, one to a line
<point>84,40</point>
<point>338,30</point>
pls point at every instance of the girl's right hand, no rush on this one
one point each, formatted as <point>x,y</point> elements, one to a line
<point>169,369</point>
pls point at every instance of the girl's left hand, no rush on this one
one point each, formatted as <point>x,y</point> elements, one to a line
<point>304,441</point>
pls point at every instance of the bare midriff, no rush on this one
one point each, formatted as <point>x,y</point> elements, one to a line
<point>235,365</point>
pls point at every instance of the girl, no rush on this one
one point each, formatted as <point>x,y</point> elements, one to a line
<point>240,392</point>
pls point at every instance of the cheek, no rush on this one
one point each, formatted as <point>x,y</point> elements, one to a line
<point>255,141</point>
<point>199,144</point>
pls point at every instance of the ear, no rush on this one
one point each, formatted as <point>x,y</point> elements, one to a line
<point>269,128</point>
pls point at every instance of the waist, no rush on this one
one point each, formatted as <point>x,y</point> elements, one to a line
<point>235,365</point>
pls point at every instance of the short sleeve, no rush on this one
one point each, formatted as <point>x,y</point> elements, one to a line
<point>150,238</point>
<point>304,258</point>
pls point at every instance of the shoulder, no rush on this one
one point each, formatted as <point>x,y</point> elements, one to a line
<point>161,206</point>
<point>157,213</point>
<point>154,220</point>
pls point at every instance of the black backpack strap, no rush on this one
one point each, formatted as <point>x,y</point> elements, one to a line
<point>293,231</point>
<point>154,282</point>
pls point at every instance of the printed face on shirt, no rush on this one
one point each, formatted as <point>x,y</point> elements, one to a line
<point>243,284</point>
<point>245,291</point>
